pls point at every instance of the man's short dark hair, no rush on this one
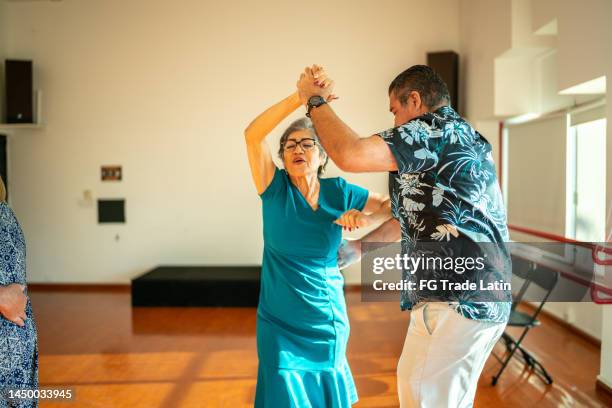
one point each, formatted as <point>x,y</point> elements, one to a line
<point>425,81</point>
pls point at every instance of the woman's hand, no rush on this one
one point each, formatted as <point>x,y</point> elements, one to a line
<point>324,81</point>
<point>314,81</point>
<point>13,303</point>
<point>353,219</point>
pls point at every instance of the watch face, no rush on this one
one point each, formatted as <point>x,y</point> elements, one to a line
<point>316,100</point>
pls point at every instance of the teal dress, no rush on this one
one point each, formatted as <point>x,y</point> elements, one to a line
<point>302,325</point>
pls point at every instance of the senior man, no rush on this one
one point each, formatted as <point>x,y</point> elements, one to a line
<point>443,188</point>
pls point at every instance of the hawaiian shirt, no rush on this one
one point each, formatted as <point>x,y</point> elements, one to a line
<point>446,190</point>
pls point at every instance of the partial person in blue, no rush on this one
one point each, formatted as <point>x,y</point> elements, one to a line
<point>443,189</point>
<point>18,344</point>
<point>302,323</point>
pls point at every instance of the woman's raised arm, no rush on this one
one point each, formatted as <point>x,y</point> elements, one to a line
<point>260,157</point>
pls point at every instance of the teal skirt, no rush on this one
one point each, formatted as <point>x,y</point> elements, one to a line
<point>280,388</point>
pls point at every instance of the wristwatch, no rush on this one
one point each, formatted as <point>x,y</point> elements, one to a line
<point>314,102</point>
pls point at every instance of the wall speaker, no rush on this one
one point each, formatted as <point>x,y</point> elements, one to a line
<point>19,91</point>
<point>446,64</point>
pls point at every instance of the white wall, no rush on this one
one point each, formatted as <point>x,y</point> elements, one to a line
<point>582,28</point>
<point>486,32</point>
<point>165,90</point>
<point>582,41</point>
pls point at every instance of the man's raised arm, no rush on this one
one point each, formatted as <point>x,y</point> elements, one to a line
<point>349,151</point>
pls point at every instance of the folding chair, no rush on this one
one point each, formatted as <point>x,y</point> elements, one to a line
<point>546,279</point>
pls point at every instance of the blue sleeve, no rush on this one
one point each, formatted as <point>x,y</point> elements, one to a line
<point>275,185</point>
<point>355,197</point>
<point>409,144</point>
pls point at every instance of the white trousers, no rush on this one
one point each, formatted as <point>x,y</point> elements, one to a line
<point>443,356</point>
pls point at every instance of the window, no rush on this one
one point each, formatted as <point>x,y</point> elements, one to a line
<point>534,174</point>
<point>587,188</point>
<point>554,173</point>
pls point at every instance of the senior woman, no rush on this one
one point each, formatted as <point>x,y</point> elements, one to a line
<point>18,345</point>
<point>302,324</point>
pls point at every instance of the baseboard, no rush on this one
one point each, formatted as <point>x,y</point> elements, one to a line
<point>570,327</point>
<point>603,387</point>
<point>79,287</point>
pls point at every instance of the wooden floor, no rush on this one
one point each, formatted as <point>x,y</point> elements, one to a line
<point>112,355</point>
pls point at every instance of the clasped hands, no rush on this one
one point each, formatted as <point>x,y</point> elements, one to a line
<point>315,81</point>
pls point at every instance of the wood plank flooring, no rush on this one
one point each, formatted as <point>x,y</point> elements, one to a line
<point>114,355</point>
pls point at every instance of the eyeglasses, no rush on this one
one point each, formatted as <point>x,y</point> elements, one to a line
<point>305,144</point>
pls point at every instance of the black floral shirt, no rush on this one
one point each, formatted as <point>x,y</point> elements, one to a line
<point>446,191</point>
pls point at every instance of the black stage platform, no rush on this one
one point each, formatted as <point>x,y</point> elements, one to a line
<point>197,286</point>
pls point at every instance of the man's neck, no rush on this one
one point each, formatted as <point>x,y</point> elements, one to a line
<point>439,107</point>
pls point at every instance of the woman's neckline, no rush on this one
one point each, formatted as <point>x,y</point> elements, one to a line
<point>314,210</point>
